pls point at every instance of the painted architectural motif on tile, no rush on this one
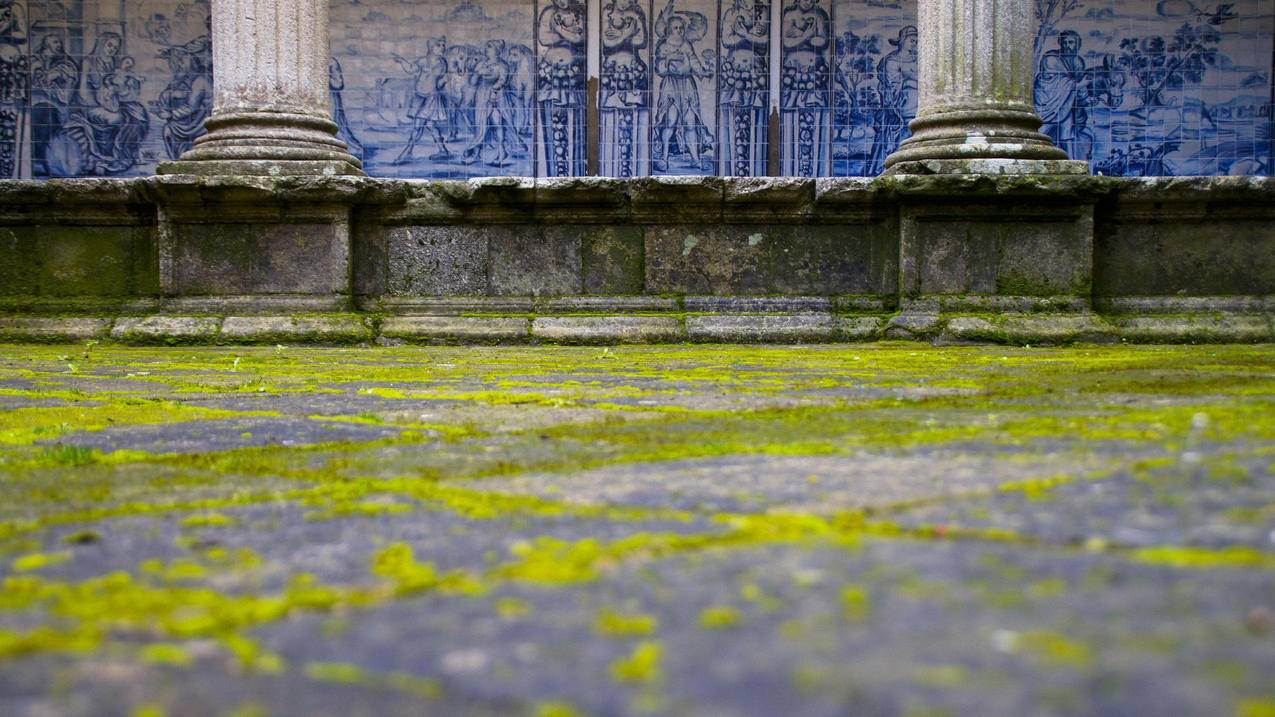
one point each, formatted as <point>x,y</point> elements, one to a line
<point>101,89</point>
<point>744,94</point>
<point>805,82</point>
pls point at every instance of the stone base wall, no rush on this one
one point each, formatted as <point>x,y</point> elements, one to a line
<point>653,259</point>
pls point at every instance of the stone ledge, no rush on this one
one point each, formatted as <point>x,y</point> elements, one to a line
<point>317,329</point>
<point>50,329</point>
<point>763,328</point>
<point>607,329</point>
<point>166,329</point>
<point>476,329</point>
<point>671,327</point>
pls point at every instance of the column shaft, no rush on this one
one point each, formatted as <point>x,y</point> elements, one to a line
<point>271,104</point>
<point>975,112</point>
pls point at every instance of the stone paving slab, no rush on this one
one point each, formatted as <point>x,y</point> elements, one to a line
<point>879,529</point>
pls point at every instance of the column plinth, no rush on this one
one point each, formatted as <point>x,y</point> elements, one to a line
<point>271,113</point>
<point>975,113</point>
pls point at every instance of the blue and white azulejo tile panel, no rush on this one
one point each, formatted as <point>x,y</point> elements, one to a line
<point>439,89</point>
<point>101,89</point>
<point>443,90</point>
<point>1174,87</point>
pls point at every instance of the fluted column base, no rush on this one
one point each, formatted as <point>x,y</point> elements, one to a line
<point>265,143</point>
<point>980,139</point>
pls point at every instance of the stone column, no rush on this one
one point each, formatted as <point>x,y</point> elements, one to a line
<point>271,107</point>
<point>975,113</point>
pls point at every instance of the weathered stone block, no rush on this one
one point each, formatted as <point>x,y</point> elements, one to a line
<point>165,329</point>
<point>310,329</point>
<point>612,259</point>
<point>607,329</point>
<point>530,261</point>
<point>1031,329</point>
<point>259,258</point>
<point>19,261</point>
<point>437,261</point>
<point>479,329</point>
<point>1156,252</point>
<point>1007,248</point>
<point>767,259</point>
<point>1214,328</point>
<point>858,328</point>
<point>766,328</point>
<point>52,329</point>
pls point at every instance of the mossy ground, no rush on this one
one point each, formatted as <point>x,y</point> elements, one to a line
<point>883,529</point>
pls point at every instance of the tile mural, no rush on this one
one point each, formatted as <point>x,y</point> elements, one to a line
<point>101,89</point>
<point>434,89</point>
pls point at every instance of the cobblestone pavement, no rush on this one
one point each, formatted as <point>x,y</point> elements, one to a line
<point>823,530</point>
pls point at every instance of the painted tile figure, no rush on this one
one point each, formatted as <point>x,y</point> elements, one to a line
<point>806,33</point>
<point>15,85</point>
<point>897,91</point>
<point>55,78</point>
<point>625,89</point>
<point>104,132</point>
<point>680,132</point>
<point>430,103</point>
<point>497,105</point>
<point>1064,88</point>
<point>336,84</point>
<point>744,98</point>
<point>560,38</point>
<point>187,101</point>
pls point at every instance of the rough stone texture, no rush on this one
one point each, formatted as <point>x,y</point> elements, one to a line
<point>163,329</point>
<point>316,329</point>
<point>36,328</point>
<point>1177,246</point>
<point>858,328</point>
<point>268,258</point>
<point>1017,250</point>
<point>607,329</point>
<point>532,263</point>
<point>436,261</point>
<point>1190,329</point>
<point>912,325</point>
<point>1022,329</point>
<point>459,328</point>
<point>794,259</point>
<point>611,259</point>
<point>762,328</point>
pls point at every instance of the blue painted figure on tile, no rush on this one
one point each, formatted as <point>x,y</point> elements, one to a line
<point>624,100</point>
<point>103,134</point>
<point>1065,87</point>
<point>497,110</point>
<point>806,34</point>
<point>187,101</point>
<point>680,131</point>
<point>336,85</point>
<point>15,85</point>
<point>430,102</point>
<point>745,87</point>
<point>55,77</point>
<point>897,89</point>
<point>560,37</point>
